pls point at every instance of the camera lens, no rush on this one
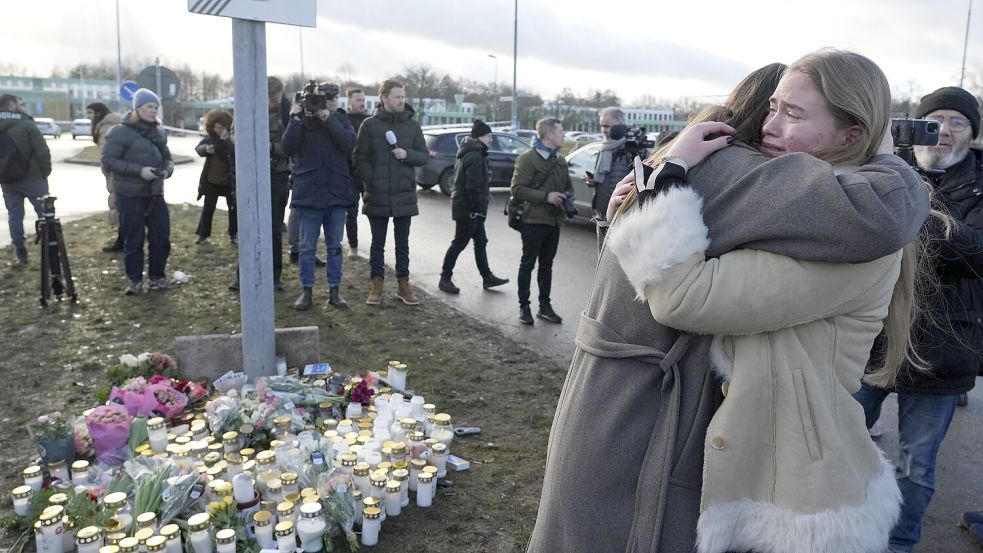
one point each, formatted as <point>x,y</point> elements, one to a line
<point>932,127</point>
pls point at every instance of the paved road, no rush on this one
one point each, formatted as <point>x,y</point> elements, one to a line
<point>960,475</point>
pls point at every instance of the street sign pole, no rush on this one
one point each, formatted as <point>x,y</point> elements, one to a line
<point>252,131</point>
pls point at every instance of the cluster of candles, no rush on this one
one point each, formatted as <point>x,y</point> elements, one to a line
<point>386,450</point>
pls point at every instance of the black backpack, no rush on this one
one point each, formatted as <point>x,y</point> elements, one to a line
<point>14,165</point>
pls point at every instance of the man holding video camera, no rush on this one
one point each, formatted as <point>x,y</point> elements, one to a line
<point>25,164</point>
<point>612,165</point>
<point>320,138</point>
<point>948,338</point>
<point>541,181</point>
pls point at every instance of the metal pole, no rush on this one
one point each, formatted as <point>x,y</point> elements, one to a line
<point>300,35</point>
<point>962,73</point>
<point>252,126</point>
<point>119,63</point>
<point>160,93</point>
<point>515,57</point>
<point>494,86</point>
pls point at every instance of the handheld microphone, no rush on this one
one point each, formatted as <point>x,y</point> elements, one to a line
<point>391,139</point>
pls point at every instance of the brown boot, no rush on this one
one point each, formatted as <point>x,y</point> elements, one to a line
<point>375,295</point>
<point>404,292</point>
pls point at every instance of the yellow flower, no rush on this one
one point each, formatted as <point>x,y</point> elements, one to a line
<point>228,500</point>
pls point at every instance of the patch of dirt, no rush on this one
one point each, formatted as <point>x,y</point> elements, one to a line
<point>55,358</point>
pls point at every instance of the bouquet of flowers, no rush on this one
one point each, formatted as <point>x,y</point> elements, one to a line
<point>109,426</point>
<point>170,402</point>
<point>335,490</point>
<point>360,392</point>
<point>222,414</point>
<point>144,365</point>
<point>83,440</point>
<point>55,437</point>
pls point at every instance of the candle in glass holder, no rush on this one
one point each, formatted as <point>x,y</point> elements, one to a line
<point>33,477</point>
<point>142,535</point>
<point>424,489</point>
<point>226,541</point>
<point>371,524</point>
<point>311,527</point>
<point>129,545</point>
<point>156,544</point>
<point>89,539</point>
<point>286,539</point>
<point>263,528</point>
<point>80,472</point>
<point>58,469</point>
<point>402,476</point>
<point>172,533</point>
<point>199,526</point>
<point>286,512</point>
<point>51,530</point>
<point>394,496</point>
<point>22,499</point>
<point>157,434</point>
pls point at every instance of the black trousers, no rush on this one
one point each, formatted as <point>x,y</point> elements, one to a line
<point>467,230</point>
<point>539,242</point>
<point>208,212</point>
<point>351,223</point>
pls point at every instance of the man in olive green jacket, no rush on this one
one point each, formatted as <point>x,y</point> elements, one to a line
<point>541,181</point>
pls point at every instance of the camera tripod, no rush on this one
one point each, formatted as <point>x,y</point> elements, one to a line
<point>56,273</point>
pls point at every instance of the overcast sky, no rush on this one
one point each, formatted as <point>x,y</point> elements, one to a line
<point>664,49</point>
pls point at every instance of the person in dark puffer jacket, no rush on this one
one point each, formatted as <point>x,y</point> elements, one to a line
<point>469,207</point>
<point>27,139</point>
<point>136,154</point>
<point>950,339</point>
<point>388,176</point>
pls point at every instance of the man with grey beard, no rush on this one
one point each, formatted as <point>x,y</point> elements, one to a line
<point>950,337</point>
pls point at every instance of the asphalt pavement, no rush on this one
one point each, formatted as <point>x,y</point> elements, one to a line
<point>81,192</point>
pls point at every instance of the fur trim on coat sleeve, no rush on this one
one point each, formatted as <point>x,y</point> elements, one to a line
<point>661,234</point>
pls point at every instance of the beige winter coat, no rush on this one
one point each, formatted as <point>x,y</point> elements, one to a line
<point>789,466</point>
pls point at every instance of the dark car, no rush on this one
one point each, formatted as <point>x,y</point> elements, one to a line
<point>443,145</point>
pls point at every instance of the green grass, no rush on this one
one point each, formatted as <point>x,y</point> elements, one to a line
<point>55,358</point>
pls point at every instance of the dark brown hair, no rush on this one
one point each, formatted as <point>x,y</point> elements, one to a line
<point>388,85</point>
<point>351,91</point>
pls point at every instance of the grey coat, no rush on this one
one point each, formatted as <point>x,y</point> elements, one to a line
<point>131,146</point>
<point>625,458</point>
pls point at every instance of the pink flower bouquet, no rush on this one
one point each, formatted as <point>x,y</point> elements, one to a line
<point>137,403</point>
<point>169,402</point>
<point>109,426</point>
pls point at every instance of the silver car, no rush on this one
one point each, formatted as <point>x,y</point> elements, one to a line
<point>81,127</point>
<point>48,127</point>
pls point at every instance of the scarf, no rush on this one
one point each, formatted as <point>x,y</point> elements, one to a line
<point>538,144</point>
<point>604,160</point>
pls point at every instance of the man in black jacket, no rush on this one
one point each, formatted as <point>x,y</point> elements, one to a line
<point>950,337</point>
<point>356,115</point>
<point>469,207</point>
<point>25,163</point>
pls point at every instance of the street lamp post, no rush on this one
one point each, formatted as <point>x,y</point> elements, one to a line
<point>515,57</point>
<point>969,16</point>
<point>495,89</point>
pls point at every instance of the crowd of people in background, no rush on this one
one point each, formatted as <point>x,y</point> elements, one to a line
<point>829,245</point>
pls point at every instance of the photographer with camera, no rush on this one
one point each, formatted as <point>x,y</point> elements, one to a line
<point>320,139</point>
<point>611,166</point>
<point>136,154</point>
<point>25,163</point>
<point>541,180</point>
<point>948,338</point>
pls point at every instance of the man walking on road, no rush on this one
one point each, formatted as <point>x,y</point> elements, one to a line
<point>469,207</point>
<point>25,163</point>
<point>541,181</point>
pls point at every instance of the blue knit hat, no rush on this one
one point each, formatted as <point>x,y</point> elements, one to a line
<point>144,96</point>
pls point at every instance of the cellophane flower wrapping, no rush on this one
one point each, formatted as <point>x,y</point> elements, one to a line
<point>109,426</point>
<point>335,490</point>
<point>169,402</point>
<point>83,440</point>
<point>137,401</point>
<point>222,414</point>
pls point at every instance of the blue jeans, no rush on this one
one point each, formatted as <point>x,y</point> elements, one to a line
<point>377,251</point>
<point>923,420</point>
<point>144,219</point>
<point>311,221</point>
<point>13,199</point>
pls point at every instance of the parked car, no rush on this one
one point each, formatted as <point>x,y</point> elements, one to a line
<point>443,145</point>
<point>81,127</point>
<point>48,127</point>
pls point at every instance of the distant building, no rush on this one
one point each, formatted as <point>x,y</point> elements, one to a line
<point>61,99</point>
<point>586,119</point>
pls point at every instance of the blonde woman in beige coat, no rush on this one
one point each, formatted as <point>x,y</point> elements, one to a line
<point>788,463</point>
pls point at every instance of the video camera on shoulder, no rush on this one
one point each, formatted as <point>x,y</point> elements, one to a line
<point>636,140</point>
<point>908,133</point>
<point>315,97</point>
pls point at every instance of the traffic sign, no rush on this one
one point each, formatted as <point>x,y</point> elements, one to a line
<point>288,12</point>
<point>126,91</point>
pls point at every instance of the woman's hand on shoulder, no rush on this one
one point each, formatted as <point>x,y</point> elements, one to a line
<point>692,145</point>
<point>618,196</point>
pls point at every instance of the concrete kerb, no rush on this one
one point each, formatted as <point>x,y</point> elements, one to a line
<point>210,356</point>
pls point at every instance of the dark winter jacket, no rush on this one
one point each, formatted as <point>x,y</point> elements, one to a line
<point>533,179</point>
<point>320,151</point>
<point>26,137</point>
<point>390,184</point>
<point>356,119</point>
<point>951,344</point>
<point>471,178</point>
<point>279,117</point>
<point>131,146</point>
<point>221,164</point>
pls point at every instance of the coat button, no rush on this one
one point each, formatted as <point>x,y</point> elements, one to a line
<point>718,443</point>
